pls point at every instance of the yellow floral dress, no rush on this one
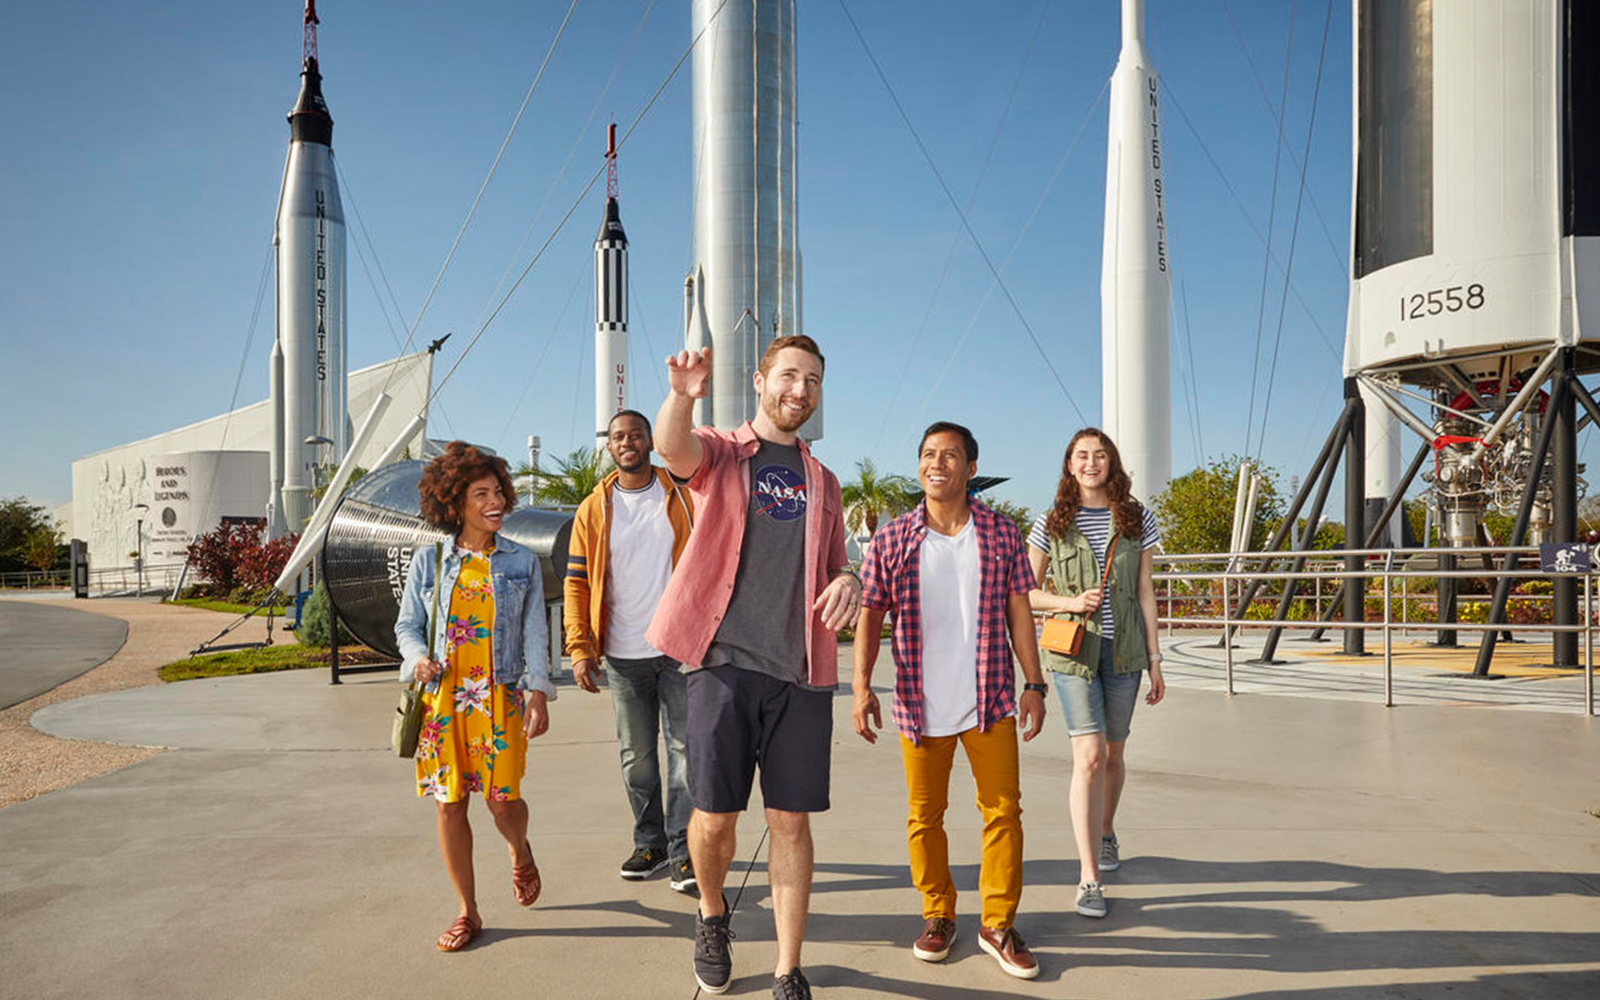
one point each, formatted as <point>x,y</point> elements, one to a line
<point>472,729</point>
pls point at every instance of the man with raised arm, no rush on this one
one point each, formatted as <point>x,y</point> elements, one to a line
<point>956,576</point>
<point>626,536</point>
<point>751,612</point>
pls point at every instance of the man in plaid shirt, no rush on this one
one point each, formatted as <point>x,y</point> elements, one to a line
<point>956,576</point>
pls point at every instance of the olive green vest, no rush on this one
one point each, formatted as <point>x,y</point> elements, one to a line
<point>1075,569</point>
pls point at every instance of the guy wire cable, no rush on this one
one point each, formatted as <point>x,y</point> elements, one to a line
<point>1338,261</point>
<point>1172,98</point>
<point>578,201</point>
<point>1294,230</point>
<point>361,232</point>
<point>965,224</point>
<point>955,238</point>
<point>582,138</point>
<point>740,894</point>
<point>1016,245</point>
<point>1272,210</point>
<point>473,211</point>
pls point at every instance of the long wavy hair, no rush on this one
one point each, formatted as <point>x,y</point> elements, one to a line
<point>1126,512</point>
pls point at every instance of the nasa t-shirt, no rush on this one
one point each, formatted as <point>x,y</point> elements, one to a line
<point>764,628</point>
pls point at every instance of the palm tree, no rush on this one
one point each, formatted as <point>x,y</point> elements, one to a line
<point>572,479</point>
<point>872,497</point>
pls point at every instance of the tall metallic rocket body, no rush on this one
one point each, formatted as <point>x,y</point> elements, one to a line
<point>743,288</point>
<point>610,305</point>
<point>1135,280</point>
<point>308,368</point>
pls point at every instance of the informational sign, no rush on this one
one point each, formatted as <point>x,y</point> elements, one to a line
<point>168,525</point>
<point>1564,557</point>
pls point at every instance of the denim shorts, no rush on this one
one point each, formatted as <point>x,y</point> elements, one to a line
<point>1099,704</point>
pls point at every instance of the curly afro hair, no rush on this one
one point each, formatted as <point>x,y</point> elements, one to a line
<point>444,483</point>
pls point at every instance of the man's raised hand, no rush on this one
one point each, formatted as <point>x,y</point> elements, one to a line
<point>689,372</point>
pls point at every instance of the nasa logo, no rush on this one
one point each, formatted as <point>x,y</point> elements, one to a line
<point>169,517</point>
<point>780,492</point>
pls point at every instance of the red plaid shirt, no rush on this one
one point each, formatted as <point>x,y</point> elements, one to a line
<point>890,582</point>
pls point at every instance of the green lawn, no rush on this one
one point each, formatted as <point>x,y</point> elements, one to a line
<point>227,607</point>
<point>287,656</point>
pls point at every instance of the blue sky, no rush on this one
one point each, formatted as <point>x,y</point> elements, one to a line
<point>145,145</point>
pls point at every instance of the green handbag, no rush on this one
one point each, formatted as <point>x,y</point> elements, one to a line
<point>407,729</point>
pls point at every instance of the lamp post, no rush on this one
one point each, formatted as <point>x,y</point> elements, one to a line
<point>138,554</point>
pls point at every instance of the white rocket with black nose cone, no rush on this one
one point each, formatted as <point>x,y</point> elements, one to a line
<point>610,306</point>
<point>310,418</point>
<point>1135,280</point>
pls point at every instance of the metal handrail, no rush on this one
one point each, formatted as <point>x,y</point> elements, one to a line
<point>1387,573</point>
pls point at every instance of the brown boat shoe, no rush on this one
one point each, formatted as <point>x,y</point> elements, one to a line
<point>1008,949</point>
<point>938,934</point>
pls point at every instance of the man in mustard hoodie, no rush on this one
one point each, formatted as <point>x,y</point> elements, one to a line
<point>626,539</point>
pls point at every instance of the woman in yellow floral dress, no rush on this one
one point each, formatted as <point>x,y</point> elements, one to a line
<point>486,676</point>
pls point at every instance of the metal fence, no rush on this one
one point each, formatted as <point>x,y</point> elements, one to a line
<point>1216,586</point>
<point>54,579</point>
<point>125,581</point>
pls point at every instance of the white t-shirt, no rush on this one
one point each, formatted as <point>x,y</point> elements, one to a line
<point>638,567</point>
<point>948,574</point>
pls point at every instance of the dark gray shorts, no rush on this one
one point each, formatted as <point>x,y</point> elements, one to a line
<point>739,719</point>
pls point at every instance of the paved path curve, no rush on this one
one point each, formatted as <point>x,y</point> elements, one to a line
<point>44,645</point>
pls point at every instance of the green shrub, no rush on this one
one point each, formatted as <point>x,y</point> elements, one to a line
<point>315,618</point>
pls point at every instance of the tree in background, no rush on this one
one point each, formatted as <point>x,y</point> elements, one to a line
<point>20,521</point>
<point>572,479</point>
<point>1022,516</point>
<point>1195,511</point>
<point>873,497</point>
<point>42,549</point>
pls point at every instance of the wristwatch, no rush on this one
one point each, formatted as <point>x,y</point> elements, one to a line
<point>1041,688</point>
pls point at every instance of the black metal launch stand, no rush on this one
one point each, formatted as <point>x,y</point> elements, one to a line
<point>1556,443</point>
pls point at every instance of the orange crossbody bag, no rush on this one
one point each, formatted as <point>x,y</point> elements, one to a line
<point>1065,635</point>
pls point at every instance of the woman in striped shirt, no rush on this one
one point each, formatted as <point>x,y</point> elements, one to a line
<point>1096,545</point>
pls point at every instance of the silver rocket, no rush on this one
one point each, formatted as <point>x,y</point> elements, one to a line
<point>743,288</point>
<point>310,418</point>
<point>1135,276</point>
<point>610,305</point>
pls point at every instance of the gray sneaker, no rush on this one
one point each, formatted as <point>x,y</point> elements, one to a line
<point>791,986</point>
<point>713,955</point>
<point>1110,857</point>
<point>1091,900</point>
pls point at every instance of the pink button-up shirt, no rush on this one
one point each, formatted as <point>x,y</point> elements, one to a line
<point>696,598</point>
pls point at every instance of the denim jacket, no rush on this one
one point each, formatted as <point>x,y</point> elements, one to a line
<point>521,638</point>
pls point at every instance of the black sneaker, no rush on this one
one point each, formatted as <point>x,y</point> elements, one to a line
<point>683,876</point>
<point>791,987</point>
<point>643,863</point>
<point>713,955</point>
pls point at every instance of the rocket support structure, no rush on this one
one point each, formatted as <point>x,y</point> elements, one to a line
<point>1135,275</point>
<point>610,307</point>
<point>743,286</point>
<point>308,366</point>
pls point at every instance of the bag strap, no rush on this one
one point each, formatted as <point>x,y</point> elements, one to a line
<point>1105,574</point>
<point>433,619</point>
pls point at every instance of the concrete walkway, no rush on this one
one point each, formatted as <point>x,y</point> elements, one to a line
<point>1275,846</point>
<point>47,643</point>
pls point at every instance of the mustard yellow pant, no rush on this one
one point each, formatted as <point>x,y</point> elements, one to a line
<point>993,758</point>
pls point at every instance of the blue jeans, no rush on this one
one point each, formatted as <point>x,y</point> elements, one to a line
<point>649,700</point>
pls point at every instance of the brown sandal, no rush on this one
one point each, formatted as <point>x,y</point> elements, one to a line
<point>525,882</point>
<point>460,934</point>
